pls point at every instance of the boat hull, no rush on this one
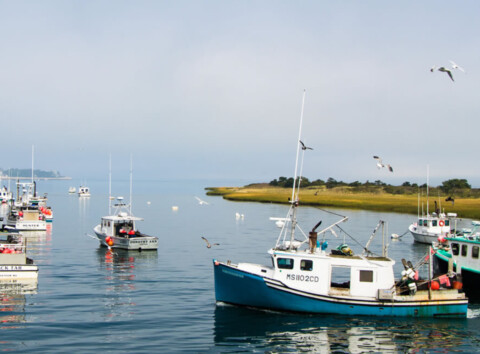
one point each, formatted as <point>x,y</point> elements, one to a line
<point>423,238</point>
<point>235,286</point>
<point>27,226</point>
<point>18,271</point>
<point>135,243</point>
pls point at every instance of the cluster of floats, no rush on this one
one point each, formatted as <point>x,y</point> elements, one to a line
<point>305,276</point>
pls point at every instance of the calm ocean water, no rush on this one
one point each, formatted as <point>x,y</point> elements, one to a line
<point>89,299</point>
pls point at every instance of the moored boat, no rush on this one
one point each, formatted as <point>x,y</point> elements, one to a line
<point>305,277</point>
<point>462,251</point>
<point>25,213</point>
<point>83,191</point>
<point>14,263</point>
<point>119,230</point>
<point>72,190</point>
<point>428,228</point>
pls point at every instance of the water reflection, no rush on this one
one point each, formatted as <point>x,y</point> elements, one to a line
<point>120,269</point>
<point>237,329</point>
<point>13,301</point>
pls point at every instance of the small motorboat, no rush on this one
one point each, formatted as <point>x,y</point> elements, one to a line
<point>83,191</point>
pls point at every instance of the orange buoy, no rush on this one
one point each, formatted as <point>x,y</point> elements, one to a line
<point>131,232</point>
<point>457,285</point>
<point>434,285</point>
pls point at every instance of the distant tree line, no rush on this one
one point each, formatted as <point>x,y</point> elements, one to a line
<point>25,172</point>
<point>454,187</point>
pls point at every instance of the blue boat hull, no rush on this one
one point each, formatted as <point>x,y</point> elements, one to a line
<point>238,287</point>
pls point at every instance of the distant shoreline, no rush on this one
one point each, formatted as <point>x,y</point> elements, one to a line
<point>37,178</point>
<point>341,198</point>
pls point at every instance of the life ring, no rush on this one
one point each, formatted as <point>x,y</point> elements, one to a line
<point>441,223</point>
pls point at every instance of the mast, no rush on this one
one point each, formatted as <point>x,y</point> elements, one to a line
<point>298,149</point>
<point>32,161</point>
<point>294,199</point>
<point>428,170</point>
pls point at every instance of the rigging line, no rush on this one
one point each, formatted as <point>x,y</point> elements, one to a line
<point>331,212</point>
<point>358,243</point>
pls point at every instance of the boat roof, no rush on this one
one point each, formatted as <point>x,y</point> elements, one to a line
<point>121,217</point>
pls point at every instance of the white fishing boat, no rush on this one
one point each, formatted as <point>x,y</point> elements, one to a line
<point>83,191</point>
<point>305,277</point>
<point>14,263</point>
<point>430,227</point>
<point>72,190</point>
<point>462,252</point>
<point>25,213</point>
<point>119,229</point>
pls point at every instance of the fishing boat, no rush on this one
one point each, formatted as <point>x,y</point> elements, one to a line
<point>461,251</point>
<point>428,228</point>
<point>14,263</point>
<point>83,191</point>
<point>119,230</point>
<point>25,213</point>
<point>72,190</point>
<point>305,277</point>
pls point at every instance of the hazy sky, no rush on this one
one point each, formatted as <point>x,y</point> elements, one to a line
<point>213,89</point>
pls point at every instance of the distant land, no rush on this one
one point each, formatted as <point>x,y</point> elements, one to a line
<point>454,196</point>
<point>23,173</point>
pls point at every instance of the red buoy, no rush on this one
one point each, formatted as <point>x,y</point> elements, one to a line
<point>435,285</point>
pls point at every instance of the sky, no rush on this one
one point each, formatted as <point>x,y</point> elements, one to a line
<point>213,89</point>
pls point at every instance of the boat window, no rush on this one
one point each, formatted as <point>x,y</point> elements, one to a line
<point>306,265</point>
<point>474,251</point>
<point>285,263</point>
<point>434,222</point>
<point>340,277</point>
<point>447,222</point>
<point>366,276</point>
<point>464,250</point>
<point>420,222</point>
<point>455,249</point>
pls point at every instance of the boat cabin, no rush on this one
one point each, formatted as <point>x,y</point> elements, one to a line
<point>466,251</point>
<point>121,225</point>
<point>334,274</point>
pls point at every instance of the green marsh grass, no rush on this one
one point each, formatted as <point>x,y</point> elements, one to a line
<point>342,197</point>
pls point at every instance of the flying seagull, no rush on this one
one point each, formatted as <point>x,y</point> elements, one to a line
<point>455,66</point>
<point>208,243</point>
<point>445,70</point>
<point>380,164</point>
<point>305,147</point>
<point>201,202</point>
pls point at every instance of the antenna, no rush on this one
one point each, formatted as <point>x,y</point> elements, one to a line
<point>110,184</point>
<point>131,176</point>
